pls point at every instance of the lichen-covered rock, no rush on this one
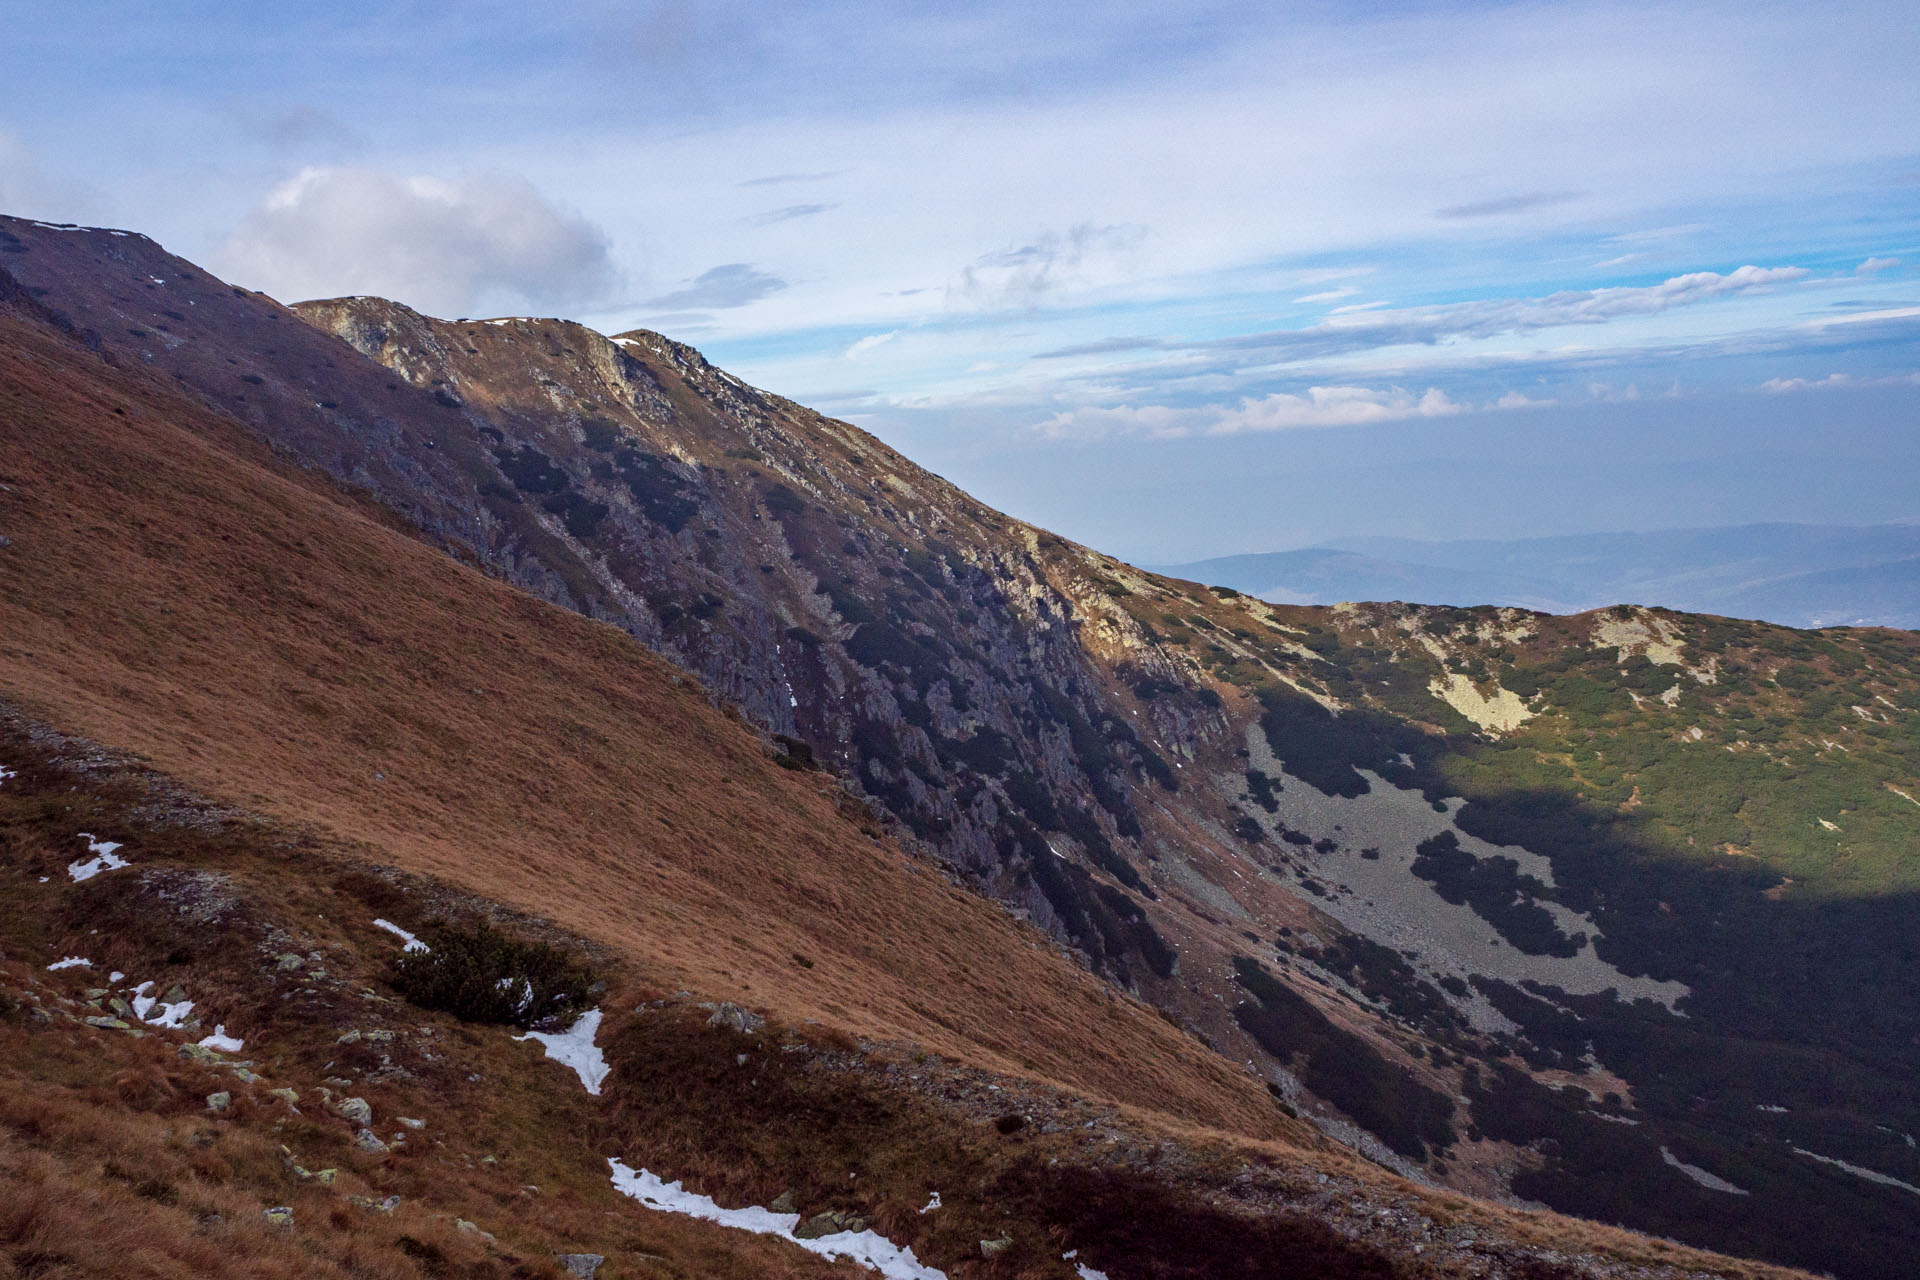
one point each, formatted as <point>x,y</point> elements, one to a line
<point>741,1020</point>
<point>830,1223</point>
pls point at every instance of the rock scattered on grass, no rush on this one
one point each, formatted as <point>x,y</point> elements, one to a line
<point>732,1015</point>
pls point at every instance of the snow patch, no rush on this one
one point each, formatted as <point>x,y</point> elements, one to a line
<point>6,773</point>
<point>171,1016</point>
<point>575,1048</point>
<point>930,1205</point>
<point>71,962</point>
<point>221,1041</point>
<point>1084,1271</point>
<point>867,1248</point>
<point>413,943</point>
<point>1701,1176</point>
<point>104,858</point>
<point>1871,1175</point>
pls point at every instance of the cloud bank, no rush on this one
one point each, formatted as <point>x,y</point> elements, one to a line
<point>446,247</point>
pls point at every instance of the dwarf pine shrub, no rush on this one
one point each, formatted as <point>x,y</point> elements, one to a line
<point>482,974</point>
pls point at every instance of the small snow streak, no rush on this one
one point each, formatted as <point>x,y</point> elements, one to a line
<point>1701,1176</point>
<point>574,1048</point>
<point>221,1041</point>
<point>104,859</point>
<point>71,962</point>
<point>171,1016</point>
<point>1871,1175</point>
<point>413,943</point>
<point>867,1248</point>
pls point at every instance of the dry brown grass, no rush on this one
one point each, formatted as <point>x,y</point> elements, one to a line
<point>107,1115</point>
<point>87,1190</point>
<point>169,592</point>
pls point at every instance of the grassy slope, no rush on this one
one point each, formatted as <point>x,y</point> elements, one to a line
<point>111,1163</point>
<point>267,644</point>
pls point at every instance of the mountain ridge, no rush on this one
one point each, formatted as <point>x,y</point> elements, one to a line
<point>1187,785</point>
<point>309,695</point>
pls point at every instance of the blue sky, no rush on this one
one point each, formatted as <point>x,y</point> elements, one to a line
<point>1176,280</point>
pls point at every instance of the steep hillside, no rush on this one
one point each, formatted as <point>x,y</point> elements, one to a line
<point>343,738</point>
<point>270,645</point>
<point>1604,912</point>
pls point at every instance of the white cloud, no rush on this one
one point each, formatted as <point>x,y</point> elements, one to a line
<point>1836,382</point>
<point>1520,400</point>
<point>1329,295</point>
<point>1326,275</point>
<point>868,343</point>
<point>1332,406</point>
<point>1778,385</point>
<point>1872,265</point>
<point>443,247</point>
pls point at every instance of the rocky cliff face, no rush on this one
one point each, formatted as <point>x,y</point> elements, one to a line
<point>873,617</point>
<point>1494,896</point>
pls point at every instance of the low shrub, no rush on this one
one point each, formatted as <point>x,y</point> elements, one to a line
<point>483,974</point>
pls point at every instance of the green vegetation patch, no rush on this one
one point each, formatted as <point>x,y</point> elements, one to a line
<point>483,974</point>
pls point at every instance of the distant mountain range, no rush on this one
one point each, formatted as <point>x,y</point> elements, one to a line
<point>1800,575</point>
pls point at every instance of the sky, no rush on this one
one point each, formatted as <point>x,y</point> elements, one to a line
<point>1174,280</point>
